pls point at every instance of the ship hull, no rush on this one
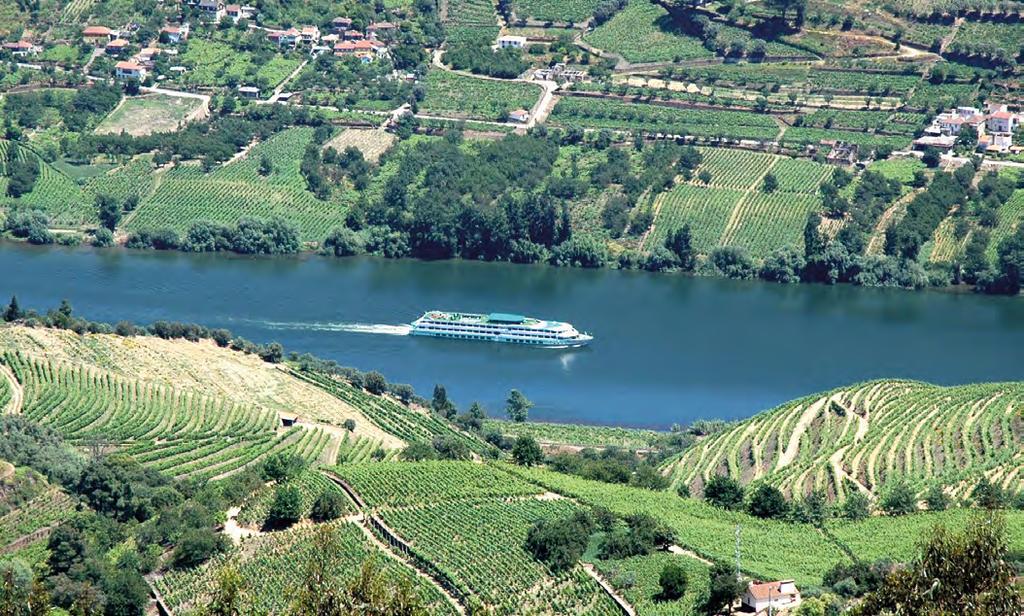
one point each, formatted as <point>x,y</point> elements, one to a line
<point>550,344</point>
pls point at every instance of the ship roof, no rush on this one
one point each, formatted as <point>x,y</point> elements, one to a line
<point>505,317</point>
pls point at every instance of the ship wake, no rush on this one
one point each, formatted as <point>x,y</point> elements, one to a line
<point>356,328</point>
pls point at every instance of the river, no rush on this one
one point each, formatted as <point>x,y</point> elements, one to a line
<point>668,348</point>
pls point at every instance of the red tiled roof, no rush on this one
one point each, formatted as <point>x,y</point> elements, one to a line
<point>1002,115</point>
<point>96,31</point>
<point>768,590</point>
<point>117,43</point>
<point>128,66</point>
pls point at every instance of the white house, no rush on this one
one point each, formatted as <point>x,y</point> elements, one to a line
<point>249,91</point>
<point>129,70</point>
<point>284,38</point>
<point>777,595</point>
<point>175,34</point>
<point>521,116</point>
<point>514,42</point>
<point>309,35</point>
<point>20,49</point>
<point>211,9</point>
<point>1003,122</point>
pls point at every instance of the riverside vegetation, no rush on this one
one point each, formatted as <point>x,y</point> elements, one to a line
<point>375,495</point>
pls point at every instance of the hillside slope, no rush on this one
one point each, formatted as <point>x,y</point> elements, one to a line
<point>862,436</point>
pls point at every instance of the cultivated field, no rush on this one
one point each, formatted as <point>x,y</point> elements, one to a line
<point>148,114</point>
<point>457,96</point>
<point>371,142</point>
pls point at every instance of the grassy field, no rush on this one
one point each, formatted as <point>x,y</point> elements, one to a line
<point>831,441</point>
<point>147,114</point>
<point>371,142</point>
<point>637,579</point>
<point>236,190</point>
<point>458,96</point>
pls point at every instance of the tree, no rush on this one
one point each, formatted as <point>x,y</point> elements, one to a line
<point>899,499</point>
<point>988,495</point>
<point>931,157</point>
<point>330,505</point>
<point>672,582</point>
<point>418,451</point>
<point>724,588</point>
<point>936,498</point>
<point>679,242</point>
<point>281,467</point>
<point>559,543</point>
<point>109,211</point>
<point>967,137</point>
<point>227,594</point>
<point>440,403</point>
<point>526,451</point>
<point>375,383</point>
<point>857,506</point>
<point>197,546</point>
<point>968,573</point>
<point>286,509</point>
<point>767,502</point>
<point>349,424</point>
<point>517,406</point>
<point>724,491</point>
<point>704,176</point>
<point>13,311</point>
<point>266,166</point>
<point>769,184</point>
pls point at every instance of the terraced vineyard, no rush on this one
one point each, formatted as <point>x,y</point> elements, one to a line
<point>863,436</point>
<point>1011,215</point>
<point>556,10</point>
<point>391,416</point>
<point>179,432</point>
<point>133,179</point>
<point>636,35</point>
<point>461,539</point>
<point>471,21</point>
<point>573,434</point>
<point>236,190</point>
<point>415,483</point>
<point>272,568</point>
<point>311,482</point>
<point>706,123</point>
<point>54,193</point>
<point>733,210</point>
<point>48,509</point>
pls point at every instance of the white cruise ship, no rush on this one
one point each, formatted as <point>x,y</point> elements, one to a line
<point>498,327</point>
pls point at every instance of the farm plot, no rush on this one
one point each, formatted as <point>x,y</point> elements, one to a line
<point>371,142</point>
<point>706,210</point>
<point>47,509</point>
<point>573,11</point>
<point>414,483</point>
<point>272,567</point>
<point>148,114</point>
<point>54,193</point>
<point>462,539</point>
<point>643,32</point>
<point>574,434</point>
<point>738,169</point>
<point>236,190</point>
<point>460,96</point>
<point>800,175</point>
<point>705,123</point>
<point>821,80</point>
<point>215,63</point>
<point>974,34</point>
<point>764,222</point>
<point>802,135</point>
<point>134,179</point>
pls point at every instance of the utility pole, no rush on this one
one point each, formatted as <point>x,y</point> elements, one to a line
<point>738,553</point>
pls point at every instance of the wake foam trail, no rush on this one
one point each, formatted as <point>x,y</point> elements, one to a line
<point>358,328</point>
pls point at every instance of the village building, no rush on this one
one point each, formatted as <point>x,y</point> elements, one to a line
<point>560,73</point>
<point>211,9</point>
<point>944,143</point>
<point>1003,122</point>
<point>249,91</point>
<point>521,116</point>
<point>238,12</point>
<point>341,24</point>
<point>175,34</point>
<point>366,51</point>
<point>353,35</point>
<point>762,596</point>
<point>284,38</point>
<point>21,49</point>
<point>511,42</point>
<point>309,35</point>
<point>381,30</point>
<point>116,47</point>
<point>129,70</point>
<point>843,153</point>
<point>98,35</point>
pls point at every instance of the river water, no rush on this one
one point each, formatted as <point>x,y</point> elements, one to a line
<point>668,348</point>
